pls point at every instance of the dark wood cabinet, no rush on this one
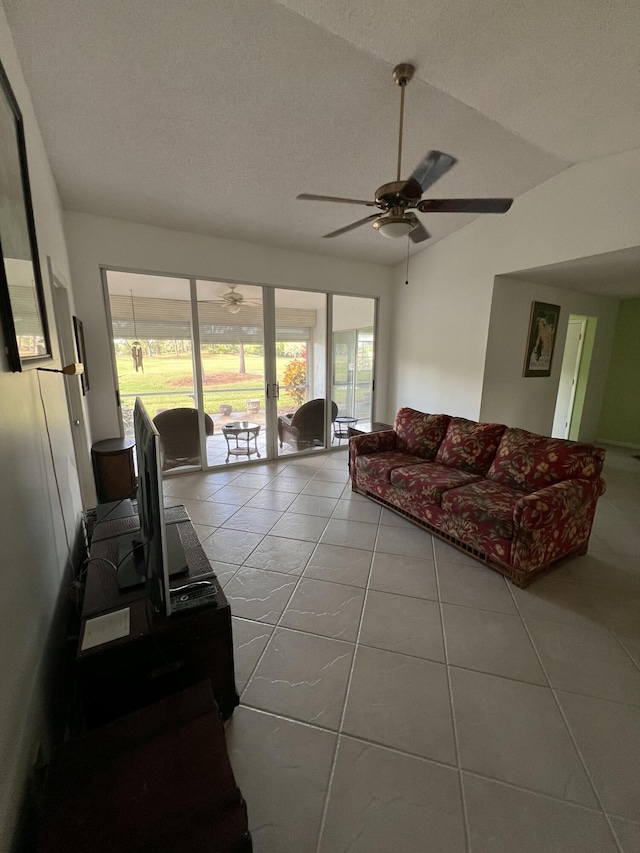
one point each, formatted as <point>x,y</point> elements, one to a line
<point>158,780</point>
<point>160,655</point>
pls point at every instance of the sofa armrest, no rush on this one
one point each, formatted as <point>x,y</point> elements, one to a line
<point>548,506</point>
<point>371,442</point>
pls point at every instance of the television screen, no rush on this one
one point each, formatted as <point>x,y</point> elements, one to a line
<point>154,552</point>
<point>151,508</point>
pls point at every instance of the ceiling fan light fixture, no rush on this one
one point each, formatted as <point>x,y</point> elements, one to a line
<point>233,307</point>
<point>394,226</point>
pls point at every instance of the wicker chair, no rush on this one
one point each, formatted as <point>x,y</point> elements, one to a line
<point>179,436</point>
<point>305,427</point>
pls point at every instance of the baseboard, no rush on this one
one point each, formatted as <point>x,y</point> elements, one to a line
<point>618,443</point>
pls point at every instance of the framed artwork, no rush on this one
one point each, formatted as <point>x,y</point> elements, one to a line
<point>82,353</point>
<point>541,341</point>
<point>22,308</point>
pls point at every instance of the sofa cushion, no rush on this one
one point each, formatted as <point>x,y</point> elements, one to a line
<point>428,481</point>
<point>380,465</point>
<point>485,502</point>
<point>529,462</point>
<point>470,446</point>
<point>420,433</point>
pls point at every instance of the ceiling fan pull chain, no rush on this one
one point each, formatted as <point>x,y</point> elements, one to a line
<point>406,280</point>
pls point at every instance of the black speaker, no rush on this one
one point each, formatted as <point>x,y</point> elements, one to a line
<point>113,469</point>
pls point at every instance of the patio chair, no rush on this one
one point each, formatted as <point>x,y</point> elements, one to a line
<point>179,436</point>
<point>304,428</point>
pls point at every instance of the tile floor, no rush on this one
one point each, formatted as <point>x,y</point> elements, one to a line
<point>398,696</point>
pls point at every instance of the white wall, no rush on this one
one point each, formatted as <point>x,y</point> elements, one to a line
<point>32,538</point>
<point>442,317</point>
<point>529,402</point>
<point>96,241</point>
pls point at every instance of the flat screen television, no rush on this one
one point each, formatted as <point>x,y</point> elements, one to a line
<point>154,552</point>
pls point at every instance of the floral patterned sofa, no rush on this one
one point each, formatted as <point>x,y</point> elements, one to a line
<point>515,500</point>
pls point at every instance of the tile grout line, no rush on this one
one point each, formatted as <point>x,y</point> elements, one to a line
<point>276,624</point>
<point>268,625</point>
<point>463,802</point>
<point>296,585</point>
<point>568,728</point>
<point>300,577</point>
<point>325,805</point>
<point>635,662</point>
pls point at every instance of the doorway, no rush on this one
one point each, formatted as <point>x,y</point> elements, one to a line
<point>569,377</point>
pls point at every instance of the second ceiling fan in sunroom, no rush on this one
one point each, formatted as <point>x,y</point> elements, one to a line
<point>399,198</point>
<point>233,300</point>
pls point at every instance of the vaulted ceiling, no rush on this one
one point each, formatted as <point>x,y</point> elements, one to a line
<point>212,115</point>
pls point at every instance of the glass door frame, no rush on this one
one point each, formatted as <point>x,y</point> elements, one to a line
<point>271,388</point>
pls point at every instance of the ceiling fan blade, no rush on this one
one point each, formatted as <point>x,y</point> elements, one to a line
<point>419,233</point>
<point>465,205</point>
<point>310,197</point>
<point>431,168</point>
<point>353,225</point>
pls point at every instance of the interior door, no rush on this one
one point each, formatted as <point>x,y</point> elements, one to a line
<point>73,390</point>
<point>568,378</point>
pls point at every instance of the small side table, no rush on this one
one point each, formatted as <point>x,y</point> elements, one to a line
<point>113,469</point>
<point>341,427</point>
<point>242,431</point>
<point>368,426</point>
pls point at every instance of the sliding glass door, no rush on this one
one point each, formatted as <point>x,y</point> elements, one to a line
<point>152,347</point>
<point>232,366</point>
<point>233,373</point>
<point>353,349</point>
<point>301,357</point>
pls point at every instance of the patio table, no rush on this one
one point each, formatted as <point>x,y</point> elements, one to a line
<point>241,431</point>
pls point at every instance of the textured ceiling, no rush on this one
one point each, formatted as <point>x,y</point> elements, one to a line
<point>564,74</point>
<point>212,116</point>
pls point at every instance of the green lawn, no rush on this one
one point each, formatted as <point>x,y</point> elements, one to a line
<point>169,379</point>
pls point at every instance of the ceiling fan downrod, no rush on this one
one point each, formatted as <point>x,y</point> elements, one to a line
<point>402,74</point>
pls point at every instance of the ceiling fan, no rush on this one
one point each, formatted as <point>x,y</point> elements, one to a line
<point>233,301</point>
<point>397,199</point>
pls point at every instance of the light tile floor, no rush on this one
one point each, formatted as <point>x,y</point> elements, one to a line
<point>398,696</point>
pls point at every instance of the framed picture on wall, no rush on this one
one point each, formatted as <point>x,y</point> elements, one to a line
<point>24,319</point>
<point>543,327</point>
<point>82,353</point>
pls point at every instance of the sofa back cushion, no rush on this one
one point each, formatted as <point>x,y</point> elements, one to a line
<point>419,433</point>
<point>529,462</point>
<point>470,446</point>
